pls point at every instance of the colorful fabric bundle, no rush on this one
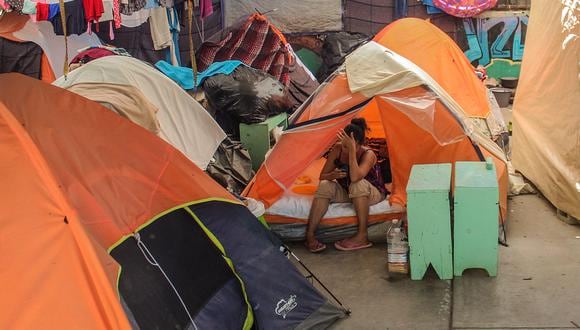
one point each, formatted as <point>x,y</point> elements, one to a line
<point>256,43</point>
<point>464,8</point>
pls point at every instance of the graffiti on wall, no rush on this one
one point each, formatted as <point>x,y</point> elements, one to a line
<point>496,42</point>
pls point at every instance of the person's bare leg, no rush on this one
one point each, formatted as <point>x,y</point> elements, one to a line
<point>317,211</point>
<point>361,207</point>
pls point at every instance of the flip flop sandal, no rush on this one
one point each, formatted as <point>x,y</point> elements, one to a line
<point>347,246</point>
<point>318,247</point>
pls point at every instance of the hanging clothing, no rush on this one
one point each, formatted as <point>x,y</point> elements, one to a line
<point>15,5</point>
<point>205,8</point>
<point>93,10</point>
<point>150,4</point>
<point>167,3</point>
<point>53,10</point>
<point>29,7</point>
<point>160,32</point>
<point>173,54</point>
<point>136,19</point>
<point>42,12</point>
<point>116,15</point>
<point>75,19</point>
<point>132,6</point>
<point>47,12</point>
<point>137,41</point>
<point>107,11</point>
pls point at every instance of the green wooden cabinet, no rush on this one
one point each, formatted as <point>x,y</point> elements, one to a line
<point>430,220</point>
<point>256,137</point>
<point>476,215</point>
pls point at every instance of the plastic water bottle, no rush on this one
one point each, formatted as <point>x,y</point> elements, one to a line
<point>397,249</point>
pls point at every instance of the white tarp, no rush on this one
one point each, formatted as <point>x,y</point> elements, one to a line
<point>546,141</point>
<point>289,16</point>
<point>184,123</point>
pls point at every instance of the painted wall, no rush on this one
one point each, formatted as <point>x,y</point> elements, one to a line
<point>497,43</point>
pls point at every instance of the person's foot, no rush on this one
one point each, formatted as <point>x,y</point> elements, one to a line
<point>352,244</point>
<point>314,246</point>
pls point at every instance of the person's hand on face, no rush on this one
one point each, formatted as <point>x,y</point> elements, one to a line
<point>347,141</point>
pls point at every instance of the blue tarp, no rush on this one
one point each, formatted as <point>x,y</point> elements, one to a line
<point>431,9</point>
<point>184,76</point>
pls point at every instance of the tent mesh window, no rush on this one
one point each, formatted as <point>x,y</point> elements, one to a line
<point>163,270</point>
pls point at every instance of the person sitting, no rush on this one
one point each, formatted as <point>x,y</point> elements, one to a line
<point>350,174</point>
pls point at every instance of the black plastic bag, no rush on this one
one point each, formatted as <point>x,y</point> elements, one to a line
<point>246,96</point>
<point>231,166</point>
<point>334,50</point>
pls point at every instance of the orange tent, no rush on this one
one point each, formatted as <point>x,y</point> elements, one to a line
<point>103,225</point>
<point>419,117</point>
<point>45,250</point>
<point>439,56</point>
<point>79,181</point>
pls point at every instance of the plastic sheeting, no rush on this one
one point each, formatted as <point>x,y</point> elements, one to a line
<point>184,123</point>
<point>546,138</point>
<point>246,96</point>
<point>290,16</point>
<point>335,49</point>
<point>420,109</point>
<point>231,166</point>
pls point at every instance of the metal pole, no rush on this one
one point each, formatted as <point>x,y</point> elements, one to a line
<point>347,311</point>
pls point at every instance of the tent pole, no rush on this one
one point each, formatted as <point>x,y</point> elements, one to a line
<point>347,310</point>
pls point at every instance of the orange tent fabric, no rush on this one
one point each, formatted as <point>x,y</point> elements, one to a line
<point>414,135</point>
<point>45,249</point>
<point>61,211</point>
<point>438,55</point>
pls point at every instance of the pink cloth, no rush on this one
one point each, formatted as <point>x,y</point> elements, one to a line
<point>116,15</point>
<point>464,8</point>
<point>205,8</point>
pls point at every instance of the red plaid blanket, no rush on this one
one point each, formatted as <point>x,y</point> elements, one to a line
<point>256,43</point>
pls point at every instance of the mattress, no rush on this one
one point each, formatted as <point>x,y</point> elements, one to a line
<point>298,207</point>
<point>295,208</point>
<point>288,218</point>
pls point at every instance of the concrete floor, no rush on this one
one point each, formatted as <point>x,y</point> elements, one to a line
<point>537,287</point>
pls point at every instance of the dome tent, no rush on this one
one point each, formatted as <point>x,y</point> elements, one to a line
<point>124,230</point>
